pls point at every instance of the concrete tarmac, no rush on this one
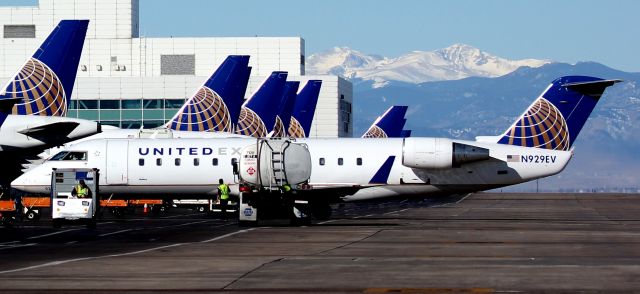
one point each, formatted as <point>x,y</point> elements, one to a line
<point>482,243</point>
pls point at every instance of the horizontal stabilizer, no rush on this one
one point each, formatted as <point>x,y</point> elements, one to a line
<point>50,131</point>
<point>591,88</point>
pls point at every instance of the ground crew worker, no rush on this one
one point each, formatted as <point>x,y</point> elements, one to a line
<point>81,190</point>
<point>286,188</point>
<point>223,196</point>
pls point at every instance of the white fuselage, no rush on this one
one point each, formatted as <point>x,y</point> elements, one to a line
<point>174,167</point>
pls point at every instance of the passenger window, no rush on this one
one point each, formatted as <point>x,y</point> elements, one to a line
<point>196,161</point>
<point>340,161</point>
<point>141,162</point>
<point>214,162</point>
<point>158,161</point>
<point>359,161</point>
<point>177,161</point>
<point>59,156</point>
<point>322,161</point>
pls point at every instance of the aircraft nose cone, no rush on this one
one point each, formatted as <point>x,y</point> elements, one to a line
<point>19,183</point>
<point>32,182</point>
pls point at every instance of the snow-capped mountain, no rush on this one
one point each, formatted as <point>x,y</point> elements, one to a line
<point>452,63</point>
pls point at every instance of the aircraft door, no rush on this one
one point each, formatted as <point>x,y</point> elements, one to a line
<point>117,159</point>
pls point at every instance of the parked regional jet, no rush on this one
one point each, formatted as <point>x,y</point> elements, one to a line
<point>538,144</point>
<point>304,109</point>
<point>390,124</point>
<point>38,97</point>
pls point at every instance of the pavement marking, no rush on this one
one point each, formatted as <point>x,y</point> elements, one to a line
<point>17,246</point>
<point>7,243</point>
<point>51,234</point>
<point>329,221</point>
<point>185,224</point>
<point>397,211</point>
<point>228,235</point>
<point>71,242</point>
<point>60,262</point>
<point>117,232</point>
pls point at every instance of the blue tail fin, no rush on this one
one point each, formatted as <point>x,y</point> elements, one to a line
<point>258,114</point>
<point>405,134</point>
<point>44,84</point>
<point>304,109</point>
<point>3,117</point>
<point>213,106</point>
<point>283,119</point>
<point>389,125</point>
<point>555,119</point>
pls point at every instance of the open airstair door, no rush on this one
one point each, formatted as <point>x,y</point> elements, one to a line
<point>117,173</point>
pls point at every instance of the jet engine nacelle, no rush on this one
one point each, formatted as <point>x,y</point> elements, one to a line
<point>439,153</point>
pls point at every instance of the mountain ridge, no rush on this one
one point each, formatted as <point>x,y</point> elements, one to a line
<point>455,62</point>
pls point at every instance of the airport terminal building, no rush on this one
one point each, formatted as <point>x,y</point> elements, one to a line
<point>130,81</point>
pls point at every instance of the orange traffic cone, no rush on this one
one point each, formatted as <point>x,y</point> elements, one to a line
<point>145,210</point>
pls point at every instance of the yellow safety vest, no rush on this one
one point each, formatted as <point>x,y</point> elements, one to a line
<point>81,192</point>
<point>286,188</point>
<point>224,191</point>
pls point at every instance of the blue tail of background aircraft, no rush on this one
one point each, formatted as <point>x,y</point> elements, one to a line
<point>555,119</point>
<point>213,107</point>
<point>44,84</point>
<point>389,125</point>
<point>405,133</point>
<point>283,120</point>
<point>304,109</point>
<point>258,114</point>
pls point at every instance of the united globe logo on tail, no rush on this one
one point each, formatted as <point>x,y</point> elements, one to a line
<point>375,132</point>
<point>542,126</point>
<point>41,91</point>
<point>250,124</point>
<point>295,129</point>
<point>278,129</point>
<point>555,119</point>
<point>206,112</point>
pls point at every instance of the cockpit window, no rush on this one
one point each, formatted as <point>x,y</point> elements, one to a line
<point>70,155</point>
<point>59,156</point>
<point>75,155</point>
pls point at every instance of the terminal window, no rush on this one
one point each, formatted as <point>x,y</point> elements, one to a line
<point>19,31</point>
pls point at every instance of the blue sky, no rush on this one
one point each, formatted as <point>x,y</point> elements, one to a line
<point>569,30</point>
